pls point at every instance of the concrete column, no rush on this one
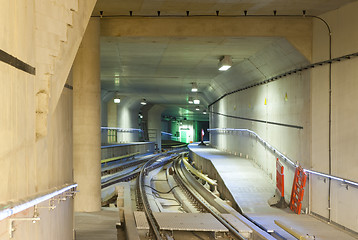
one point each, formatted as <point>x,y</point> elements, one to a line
<point>154,125</point>
<point>86,121</point>
<point>127,117</point>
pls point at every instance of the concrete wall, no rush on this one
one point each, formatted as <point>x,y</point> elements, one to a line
<point>36,118</point>
<point>123,115</point>
<point>127,117</point>
<point>154,125</point>
<point>125,149</point>
<point>343,24</point>
<point>307,105</point>
<point>112,113</point>
<point>286,101</point>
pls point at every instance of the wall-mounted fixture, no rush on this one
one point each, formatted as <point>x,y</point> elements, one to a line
<point>12,220</point>
<point>143,102</point>
<point>194,87</point>
<point>190,100</point>
<point>225,63</point>
<point>117,99</point>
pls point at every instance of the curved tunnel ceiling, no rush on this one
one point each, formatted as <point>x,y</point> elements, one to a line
<point>161,70</point>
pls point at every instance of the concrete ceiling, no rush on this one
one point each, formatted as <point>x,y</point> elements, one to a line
<point>161,69</point>
<point>209,7</point>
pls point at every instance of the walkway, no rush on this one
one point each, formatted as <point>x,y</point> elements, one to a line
<point>252,188</point>
<point>98,225</point>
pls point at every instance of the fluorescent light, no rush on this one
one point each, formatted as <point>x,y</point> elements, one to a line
<point>190,100</point>
<point>196,101</point>
<point>224,67</point>
<point>204,112</point>
<point>143,102</point>
<point>194,87</point>
<point>117,99</point>
<point>225,63</point>
<point>116,81</point>
<point>197,108</point>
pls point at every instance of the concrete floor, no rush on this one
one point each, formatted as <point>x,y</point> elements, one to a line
<point>97,225</point>
<point>251,189</point>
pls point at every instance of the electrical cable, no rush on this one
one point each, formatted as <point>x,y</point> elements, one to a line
<point>157,196</point>
<point>161,191</point>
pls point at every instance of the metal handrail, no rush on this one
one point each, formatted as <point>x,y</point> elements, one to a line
<point>122,129</point>
<point>282,156</point>
<point>19,206</point>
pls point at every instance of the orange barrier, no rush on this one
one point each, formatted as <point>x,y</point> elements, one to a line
<point>298,191</point>
<point>280,184</point>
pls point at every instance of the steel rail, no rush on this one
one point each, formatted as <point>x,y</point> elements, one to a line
<point>178,169</point>
<point>122,178</point>
<point>149,166</point>
<point>258,231</point>
<point>148,212</point>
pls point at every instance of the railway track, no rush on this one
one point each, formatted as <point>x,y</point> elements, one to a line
<point>116,172</point>
<point>185,183</point>
<point>204,200</point>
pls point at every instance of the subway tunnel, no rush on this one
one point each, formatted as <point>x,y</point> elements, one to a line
<point>101,98</point>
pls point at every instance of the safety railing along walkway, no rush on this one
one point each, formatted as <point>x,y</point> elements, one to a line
<point>281,155</point>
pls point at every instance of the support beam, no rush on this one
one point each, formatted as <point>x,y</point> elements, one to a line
<point>297,30</point>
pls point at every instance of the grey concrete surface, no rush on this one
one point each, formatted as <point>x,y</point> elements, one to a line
<point>252,188</point>
<point>96,225</point>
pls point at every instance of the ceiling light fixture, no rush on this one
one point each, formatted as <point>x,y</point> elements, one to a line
<point>194,87</point>
<point>196,101</point>
<point>197,108</point>
<point>204,112</point>
<point>116,81</point>
<point>143,102</point>
<point>225,63</point>
<point>117,98</point>
<point>190,100</point>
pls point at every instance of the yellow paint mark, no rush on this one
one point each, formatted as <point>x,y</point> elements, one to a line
<point>286,98</point>
<point>265,101</point>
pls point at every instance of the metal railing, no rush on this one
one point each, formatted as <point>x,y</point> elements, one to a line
<point>281,155</point>
<point>111,134</point>
<point>19,206</point>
